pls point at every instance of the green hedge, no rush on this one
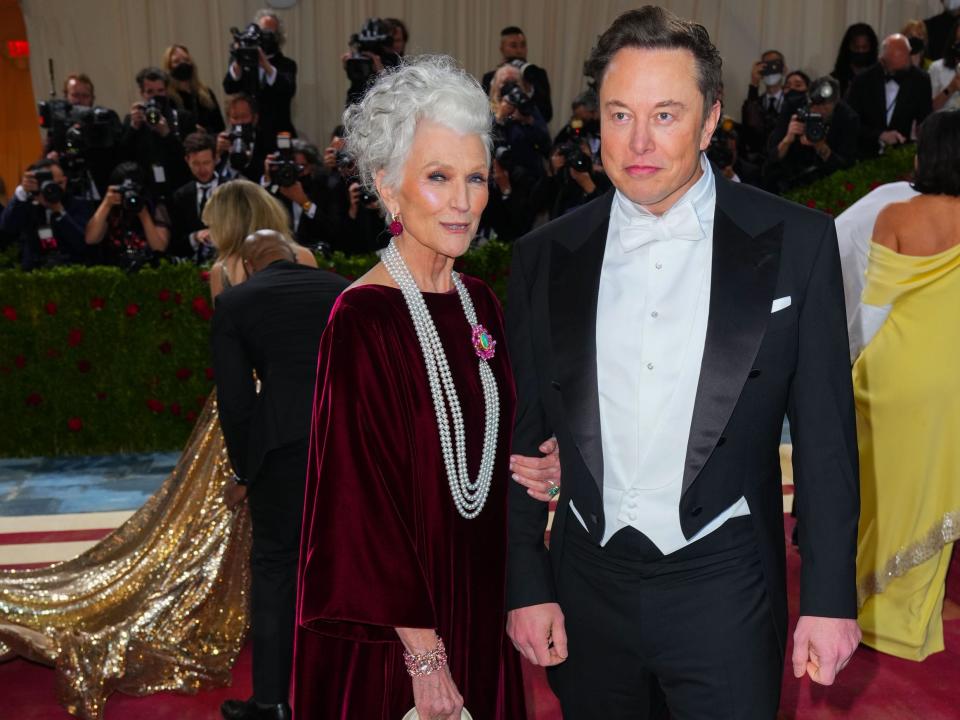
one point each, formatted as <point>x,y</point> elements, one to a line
<point>94,360</point>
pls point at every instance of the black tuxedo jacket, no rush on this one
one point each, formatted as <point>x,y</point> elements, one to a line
<point>867,96</point>
<point>184,220</point>
<point>756,367</point>
<point>271,324</point>
<point>273,100</point>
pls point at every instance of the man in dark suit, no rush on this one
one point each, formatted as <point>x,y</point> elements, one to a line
<point>304,199</point>
<point>890,98</point>
<point>661,332</point>
<point>242,149</point>
<point>190,238</point>
<point>513,49</point>
<point>273,83</point>
<point>270,325</point>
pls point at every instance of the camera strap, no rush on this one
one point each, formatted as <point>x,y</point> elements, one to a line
<point>48,243</point>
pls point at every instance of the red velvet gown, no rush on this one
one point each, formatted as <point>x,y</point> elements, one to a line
<point>383,545</point>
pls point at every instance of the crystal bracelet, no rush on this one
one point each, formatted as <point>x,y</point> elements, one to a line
<point>428,662</point>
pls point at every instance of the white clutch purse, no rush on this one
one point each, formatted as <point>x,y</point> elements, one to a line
<point>414,715</point>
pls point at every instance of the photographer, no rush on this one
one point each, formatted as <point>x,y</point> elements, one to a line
<point>153,134</point>
<point>259,68</point>
<point>188,92</point>
<point>130,227</point>
<point>47,221</point>
<point>517,121</point>
<point>400,35</point>
<point>291,175</point>
<point>371,50</point>
<point>242,148</point>
<point>513,50</point>
<point>190,238</point>
<point>723,152</point>
<point>82,137</point>
<point>813,140</point>
<point>763,104</point>
<point>509,213</point>
<point>572,179</point>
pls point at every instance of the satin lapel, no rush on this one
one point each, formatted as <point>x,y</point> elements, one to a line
<point>574,286</point>
<point>742,284</point>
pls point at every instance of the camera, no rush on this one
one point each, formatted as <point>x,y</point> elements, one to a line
<point>48,188</point>
<point>246,46</point>
<point>366,197</point>
<point>156,109</point>
<point>514,94</point>
<point>284,170</point>
<point>132,193</point>
<point>814,125</point>
<point>374,37</point>
<point>574,157</point>
<point>771,67</point>
<point>344,160</point>
<point>73,129</point>
<point>241,142</point>
<point>503,154</point>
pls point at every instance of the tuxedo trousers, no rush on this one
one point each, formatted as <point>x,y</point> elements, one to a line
<point>691,633</point>
<point>276,511</point>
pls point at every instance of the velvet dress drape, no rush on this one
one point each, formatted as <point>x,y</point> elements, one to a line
<point>383,545</point>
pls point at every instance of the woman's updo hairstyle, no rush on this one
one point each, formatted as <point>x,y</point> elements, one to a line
<point>380,127</point>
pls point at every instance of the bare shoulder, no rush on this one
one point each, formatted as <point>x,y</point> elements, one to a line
<point>890,224</point>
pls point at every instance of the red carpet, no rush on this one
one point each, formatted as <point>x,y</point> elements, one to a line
<point>872,687</point>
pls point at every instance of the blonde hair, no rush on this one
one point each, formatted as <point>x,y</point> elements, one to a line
<point>240,208</point>
<point>200,91</point>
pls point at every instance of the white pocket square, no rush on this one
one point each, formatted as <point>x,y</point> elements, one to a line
<point>780,303</point>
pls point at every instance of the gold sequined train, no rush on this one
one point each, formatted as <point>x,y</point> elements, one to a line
<point>159,604</point>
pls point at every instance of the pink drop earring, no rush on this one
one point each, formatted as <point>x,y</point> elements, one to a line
<point>396,227</point>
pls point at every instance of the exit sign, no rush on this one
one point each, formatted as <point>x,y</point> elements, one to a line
<point>18,48</point>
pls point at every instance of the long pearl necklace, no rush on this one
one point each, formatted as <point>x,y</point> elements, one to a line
<point>469,496</point>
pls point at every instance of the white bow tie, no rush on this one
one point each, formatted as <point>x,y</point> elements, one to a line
<point>680,223</point>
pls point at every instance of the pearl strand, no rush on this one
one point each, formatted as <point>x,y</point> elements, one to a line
<point>469,496</point>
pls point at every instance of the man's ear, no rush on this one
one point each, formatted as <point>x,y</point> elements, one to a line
<point>710,125</point>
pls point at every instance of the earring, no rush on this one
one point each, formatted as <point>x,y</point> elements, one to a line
<point>396,227</point>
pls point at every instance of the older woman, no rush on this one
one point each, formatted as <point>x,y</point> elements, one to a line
<point>908,417</point>
<point>402,562</point>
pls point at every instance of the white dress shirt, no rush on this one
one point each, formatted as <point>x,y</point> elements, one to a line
<point>891,90</point>
<point>652,312</point>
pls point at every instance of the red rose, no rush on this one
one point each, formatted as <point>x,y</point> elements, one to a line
<point>849,186</point>
<point>34,399</point>
<point>75,424</point>
<point>133,310</point>
<point>51,308</point>
<point>20,361</point>
<point>74,337</point>
<point>101,395</point>
<point>811,203</point>
<point>190,416</point>
<point>174,408</point>
<point>155,405</point>
<point>97,303</point>
<point>204,276</point>
<point>184,373</point>
<point>163,295</point>
<point>202,308</point>
<point>177,298</point>
<point>10,313</point>
<point>83,366</point>
<point>166,347</point>
<point>53,353</point>
<point>209,372</point>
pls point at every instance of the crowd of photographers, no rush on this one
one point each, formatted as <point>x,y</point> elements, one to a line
<point>130,192</point>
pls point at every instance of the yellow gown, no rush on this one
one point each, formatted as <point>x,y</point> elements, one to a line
<point>159,604</point>
<point>907,389</point>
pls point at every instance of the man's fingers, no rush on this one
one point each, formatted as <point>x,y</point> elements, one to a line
<point>559,637</point>
<point>548,446</point>
<point>800,656</point>
<point>823,674</point>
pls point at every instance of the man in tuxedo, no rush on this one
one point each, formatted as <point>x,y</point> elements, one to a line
<point>661,332</point>
<point>242,149</point>
<point>274,83</point>
<point>191,238</point>
<point>513,49</point>
<point>304,199</point>
<point>890,98</point>
<point>270,325</point>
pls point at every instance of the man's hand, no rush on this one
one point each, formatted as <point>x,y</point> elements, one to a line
<point>501,177</point>
<point>264,62</point>
<point>137,118</point>
<point>234,494</point>
<point>539,475</point>
<point>538,634</point>
<point>505,111</point>
<point>295,193</point>
<point>892,137</point>
<point>823,646</point>
<point>755,72</point>
<point>203,237</point>
<point>29,182</point>
<point>795,129</point>
<point>162,128</point>
<point>223,143</point>
<point>354,192</point>
<point>330,158</point>
<point>584,180</point>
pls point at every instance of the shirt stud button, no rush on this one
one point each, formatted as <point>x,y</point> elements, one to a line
<point>654,314</point>
<point>649,366</point>
<point>659,266</point>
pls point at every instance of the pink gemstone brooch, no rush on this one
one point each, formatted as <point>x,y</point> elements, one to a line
<point>483,343</point>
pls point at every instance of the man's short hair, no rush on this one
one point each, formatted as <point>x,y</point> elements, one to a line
<point>198,142</point>
<point>773,52</point>
<point>80,79</point>
<point>153,74</point>
<point>651,28</point>
<point>938,154</point>
<point>511,30</point>
<point>281,28</point>
<point>308,150</point>
<point>398,23</point>
<point>43,164</point>
<point>241,97</point>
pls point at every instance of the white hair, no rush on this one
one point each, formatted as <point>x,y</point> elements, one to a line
<point>380,127</point>
<point>281,28</point>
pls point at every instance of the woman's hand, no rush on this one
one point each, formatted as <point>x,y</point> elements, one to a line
<point>436,696</point>
<point>541,476</point>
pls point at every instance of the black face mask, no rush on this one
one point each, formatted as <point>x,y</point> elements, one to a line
<point>860,59</point>
<point>183,71</point>
<point>916,45</point>
<point>269,43</point>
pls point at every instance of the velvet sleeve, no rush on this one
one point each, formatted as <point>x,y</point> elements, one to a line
<point>360,571</point>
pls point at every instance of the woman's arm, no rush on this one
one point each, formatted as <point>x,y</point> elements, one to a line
<point>435,695</point>
<point>216,279</point>
<point>97,226</point>
<point>158,236</point>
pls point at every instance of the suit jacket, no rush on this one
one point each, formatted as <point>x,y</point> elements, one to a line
<point>271,324</point>
<point>273,100</point>
<point>757,366</point>
<point>867,96</point>
<point>185,220</point>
